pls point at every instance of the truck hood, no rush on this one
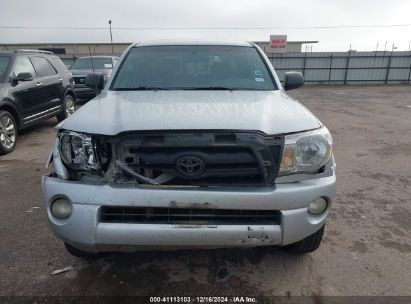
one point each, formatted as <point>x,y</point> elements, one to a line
<point>113,112</point>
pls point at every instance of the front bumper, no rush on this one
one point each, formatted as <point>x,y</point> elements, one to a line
<point>84,231</point>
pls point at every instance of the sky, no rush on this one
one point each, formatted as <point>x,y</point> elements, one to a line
<point>54,21</point>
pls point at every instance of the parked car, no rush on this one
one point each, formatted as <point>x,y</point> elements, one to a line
<point>86,65</point>
<point>34,86</point>
<point>191,145</point>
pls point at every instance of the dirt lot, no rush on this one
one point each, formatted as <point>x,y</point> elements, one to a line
<point>367,245</point>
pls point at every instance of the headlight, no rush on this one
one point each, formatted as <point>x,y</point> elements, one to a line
<point>306,152</point>
<point>77,151</point>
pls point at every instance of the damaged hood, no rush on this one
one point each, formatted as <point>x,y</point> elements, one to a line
<point>113,112</point>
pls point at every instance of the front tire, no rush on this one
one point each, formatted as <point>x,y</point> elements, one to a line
<point>69,107</point>
<point>309,244</point>
<point>80,253</point>
<point>8,132</point>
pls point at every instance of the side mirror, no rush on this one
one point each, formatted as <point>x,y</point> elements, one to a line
<point>24,77</point>
<point>21,77</point>
<point>95,80</point>
<point>293,80</point>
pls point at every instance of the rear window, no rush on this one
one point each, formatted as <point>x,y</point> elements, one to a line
<point>95,64</point>
<point>193,67</point>
<point>59,65</point>
<point>43,67</point>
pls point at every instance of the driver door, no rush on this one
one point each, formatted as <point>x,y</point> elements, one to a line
<point>25,93</point>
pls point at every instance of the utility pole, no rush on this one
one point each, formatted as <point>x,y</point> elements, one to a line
<point>111,38</point>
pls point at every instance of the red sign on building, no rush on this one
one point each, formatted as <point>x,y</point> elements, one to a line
<point>278,44</point>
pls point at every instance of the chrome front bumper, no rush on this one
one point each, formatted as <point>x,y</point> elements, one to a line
<point>84,231</point>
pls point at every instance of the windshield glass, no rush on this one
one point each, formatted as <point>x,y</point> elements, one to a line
<point>193,68</point>
<point>4,62</point>
<point>87,64</point>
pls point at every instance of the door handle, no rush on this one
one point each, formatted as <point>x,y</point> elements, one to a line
<point>38,84</point>
<point>60,79</point>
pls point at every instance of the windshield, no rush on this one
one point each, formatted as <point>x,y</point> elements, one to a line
<point>87,64</point>
<point>4,62</point>
<point>193,68</point>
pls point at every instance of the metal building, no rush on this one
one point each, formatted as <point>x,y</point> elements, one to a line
<point>68,52</point>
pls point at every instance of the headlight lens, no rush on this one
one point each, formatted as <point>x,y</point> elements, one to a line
<point>306,152</point>
<point>77,151</point>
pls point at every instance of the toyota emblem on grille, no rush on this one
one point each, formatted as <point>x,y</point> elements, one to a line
<point>190,165</point>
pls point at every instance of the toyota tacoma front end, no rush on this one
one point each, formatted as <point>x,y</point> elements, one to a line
<point>191,145</point>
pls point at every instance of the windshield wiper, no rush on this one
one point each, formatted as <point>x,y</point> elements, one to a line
<point>211,89</point>
<point>142,89</point>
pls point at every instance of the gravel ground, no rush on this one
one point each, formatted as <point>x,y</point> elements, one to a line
<point>367,244</point>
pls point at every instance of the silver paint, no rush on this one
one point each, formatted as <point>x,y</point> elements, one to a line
<point>83,230</point>
<point>113,112</point>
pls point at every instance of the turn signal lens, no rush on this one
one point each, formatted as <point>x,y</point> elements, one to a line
<point>287,162</point>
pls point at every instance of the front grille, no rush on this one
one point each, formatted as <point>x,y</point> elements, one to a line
<point>189,216</point>
<point>219,161</point>
<point>216,159</point>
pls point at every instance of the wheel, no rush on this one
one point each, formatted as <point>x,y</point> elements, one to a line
<point>80,253</point>
<point>309,244</point>
<point>69,107</point>
<point>8,132</point>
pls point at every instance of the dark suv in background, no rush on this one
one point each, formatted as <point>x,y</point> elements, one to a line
<point>87,65</point>
<point>34,86</point>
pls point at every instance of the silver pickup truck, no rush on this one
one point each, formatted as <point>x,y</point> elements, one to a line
<point>190,145</point>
